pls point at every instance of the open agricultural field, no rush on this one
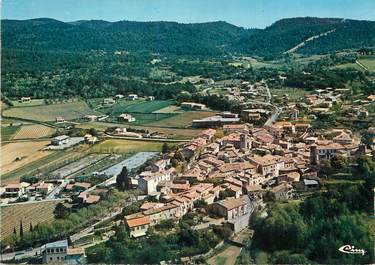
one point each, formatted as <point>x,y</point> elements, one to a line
<point>16,155</point>
<point>69,110</point>
<point>348,65</point>
<point>29,212</point>
<point>170,132</point>
<point>8,132</point>
<point>33,131</point>
<point>368,61</point>
<point>46,164</point>
<point>137,106</point>
<point>125,146</point>
<point>170,109</point>
<point>182,120</point>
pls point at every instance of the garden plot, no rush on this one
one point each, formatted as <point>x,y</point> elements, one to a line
<point>77,166</point>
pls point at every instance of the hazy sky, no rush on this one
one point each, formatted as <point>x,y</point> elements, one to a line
<point>246,13</point>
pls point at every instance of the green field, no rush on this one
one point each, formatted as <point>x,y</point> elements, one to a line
<point>173,133</point>
<point>348,65</point>
<point>137,106</point>
<point>8,132</point>
<point>143,111</point>
<point>368,61</point>
<point>69,110</point>
<point>116,146</point>
<point>182,120</point>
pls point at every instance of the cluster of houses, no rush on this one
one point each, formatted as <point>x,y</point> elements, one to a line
<point>24,190</point>
<point>80,192</point>
<point>245,163</point>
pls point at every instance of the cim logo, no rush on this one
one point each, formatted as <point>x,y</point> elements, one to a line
<point>348,249</point>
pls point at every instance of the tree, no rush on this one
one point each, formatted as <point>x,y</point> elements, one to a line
<point>93,132</point>
<point>200,204</point>
<point>21,228</point>
<point>339,162</point>
<point>61,211</point>
<point>269,197</point>
<point>165,148</point>
<point>14,231</point>
<point>123,181</point>
<point>31,227</point>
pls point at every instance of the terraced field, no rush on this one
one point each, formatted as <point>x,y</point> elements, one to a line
<point>69,110</point>
<point>33,131</point>
<point>30,212</point>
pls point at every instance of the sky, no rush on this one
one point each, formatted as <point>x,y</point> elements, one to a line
<point>245,13</point>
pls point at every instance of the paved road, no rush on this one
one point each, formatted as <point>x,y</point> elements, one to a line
<point>57,190</point>
<point>146,139</point>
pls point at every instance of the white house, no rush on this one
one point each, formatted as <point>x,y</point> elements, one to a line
<point>132,96</point>
<point>60,140</point>
<point>125,117</point>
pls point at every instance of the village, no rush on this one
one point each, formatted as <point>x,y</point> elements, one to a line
<point>235,165</point>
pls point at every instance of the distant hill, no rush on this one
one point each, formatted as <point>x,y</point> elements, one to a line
<point>192,39</point>
<point>288,33</point>
<point>161,37</point>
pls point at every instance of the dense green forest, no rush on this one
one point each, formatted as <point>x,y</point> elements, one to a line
<point>195,39</point>
<point>158,37</point>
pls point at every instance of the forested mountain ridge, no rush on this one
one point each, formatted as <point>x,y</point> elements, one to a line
<point>287,33</point>
<point>210,38</point>
<point>161,37</point>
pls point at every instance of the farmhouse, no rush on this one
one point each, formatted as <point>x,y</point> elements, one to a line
<point>55,252</point>
<point>132,96</point>
<point>59,119</point>
<point>60,140</point>
<point>138,226</point>
<point>192,106</point>
<point>108,102</point>
<point>59,252</point>
<point>91,117</point>
<point>125,117</point>
<point>15,189</point>
<point>44,188</point>
<point>25,99</point>
<point>214,121</point>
